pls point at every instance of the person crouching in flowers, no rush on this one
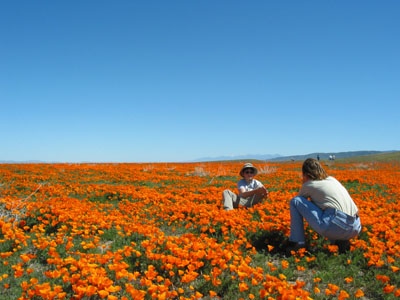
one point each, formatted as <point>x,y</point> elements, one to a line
<point>331,212</point>
<point>251,191</point>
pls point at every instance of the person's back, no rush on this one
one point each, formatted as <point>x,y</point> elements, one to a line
<point>331,211</point>
<point>329,192</point>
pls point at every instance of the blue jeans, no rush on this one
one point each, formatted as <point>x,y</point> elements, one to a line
<point>330,223</point>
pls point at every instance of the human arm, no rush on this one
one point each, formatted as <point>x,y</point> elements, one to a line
<point>304,190</point>
<point>260,190</point>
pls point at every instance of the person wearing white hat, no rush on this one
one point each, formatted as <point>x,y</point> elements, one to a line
<point>251,191</point>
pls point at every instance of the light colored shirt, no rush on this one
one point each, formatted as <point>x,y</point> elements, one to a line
<point>329,192</point>
<point>251,186</point>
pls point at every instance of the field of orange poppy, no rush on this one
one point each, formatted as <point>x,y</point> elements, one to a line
<point>158,231</point>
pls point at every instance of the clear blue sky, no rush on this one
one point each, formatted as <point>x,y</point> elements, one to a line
<point>146,81</point>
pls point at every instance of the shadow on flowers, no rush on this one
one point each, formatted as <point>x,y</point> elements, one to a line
<point>273,242</point>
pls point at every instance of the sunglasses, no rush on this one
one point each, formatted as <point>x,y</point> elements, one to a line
<point>249,172</point>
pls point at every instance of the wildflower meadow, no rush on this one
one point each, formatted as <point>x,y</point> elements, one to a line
<point>158,231</point>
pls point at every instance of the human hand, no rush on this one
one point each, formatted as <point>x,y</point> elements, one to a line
<point>266,194</point>
<point>263,191</point>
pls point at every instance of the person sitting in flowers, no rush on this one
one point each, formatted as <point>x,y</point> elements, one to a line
<point>251,191</point>
<point>331,212</point>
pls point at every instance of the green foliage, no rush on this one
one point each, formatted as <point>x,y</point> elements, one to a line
<point>107,198</point>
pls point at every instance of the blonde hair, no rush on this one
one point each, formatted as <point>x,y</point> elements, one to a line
<point>313,169</point>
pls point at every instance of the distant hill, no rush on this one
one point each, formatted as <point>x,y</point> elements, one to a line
<point>381,157</point>
<point>325,156</point>
<point>278,157</point>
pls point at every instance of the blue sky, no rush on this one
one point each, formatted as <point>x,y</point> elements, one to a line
<point>150,81</point>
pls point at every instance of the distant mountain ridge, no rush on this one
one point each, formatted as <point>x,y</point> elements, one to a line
<point>262,157</point>
<point>22,162</point>
<point>325,156</point>
<point>278,157</point>
<point>239,157</point>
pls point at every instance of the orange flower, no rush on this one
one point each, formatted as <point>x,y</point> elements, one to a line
<point>284,264</point>
<point>332,290</point>
<point>348,279</point>
<point>383,278</point>
<point>359,293</point>
<point>24,258</point>
<point>343,295</point>
<point>333,248</point>
<point>103,294</point>
<point>388,289</point>
<point>243,286</point>
<point>394,268</point>
<point>212,293</point>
